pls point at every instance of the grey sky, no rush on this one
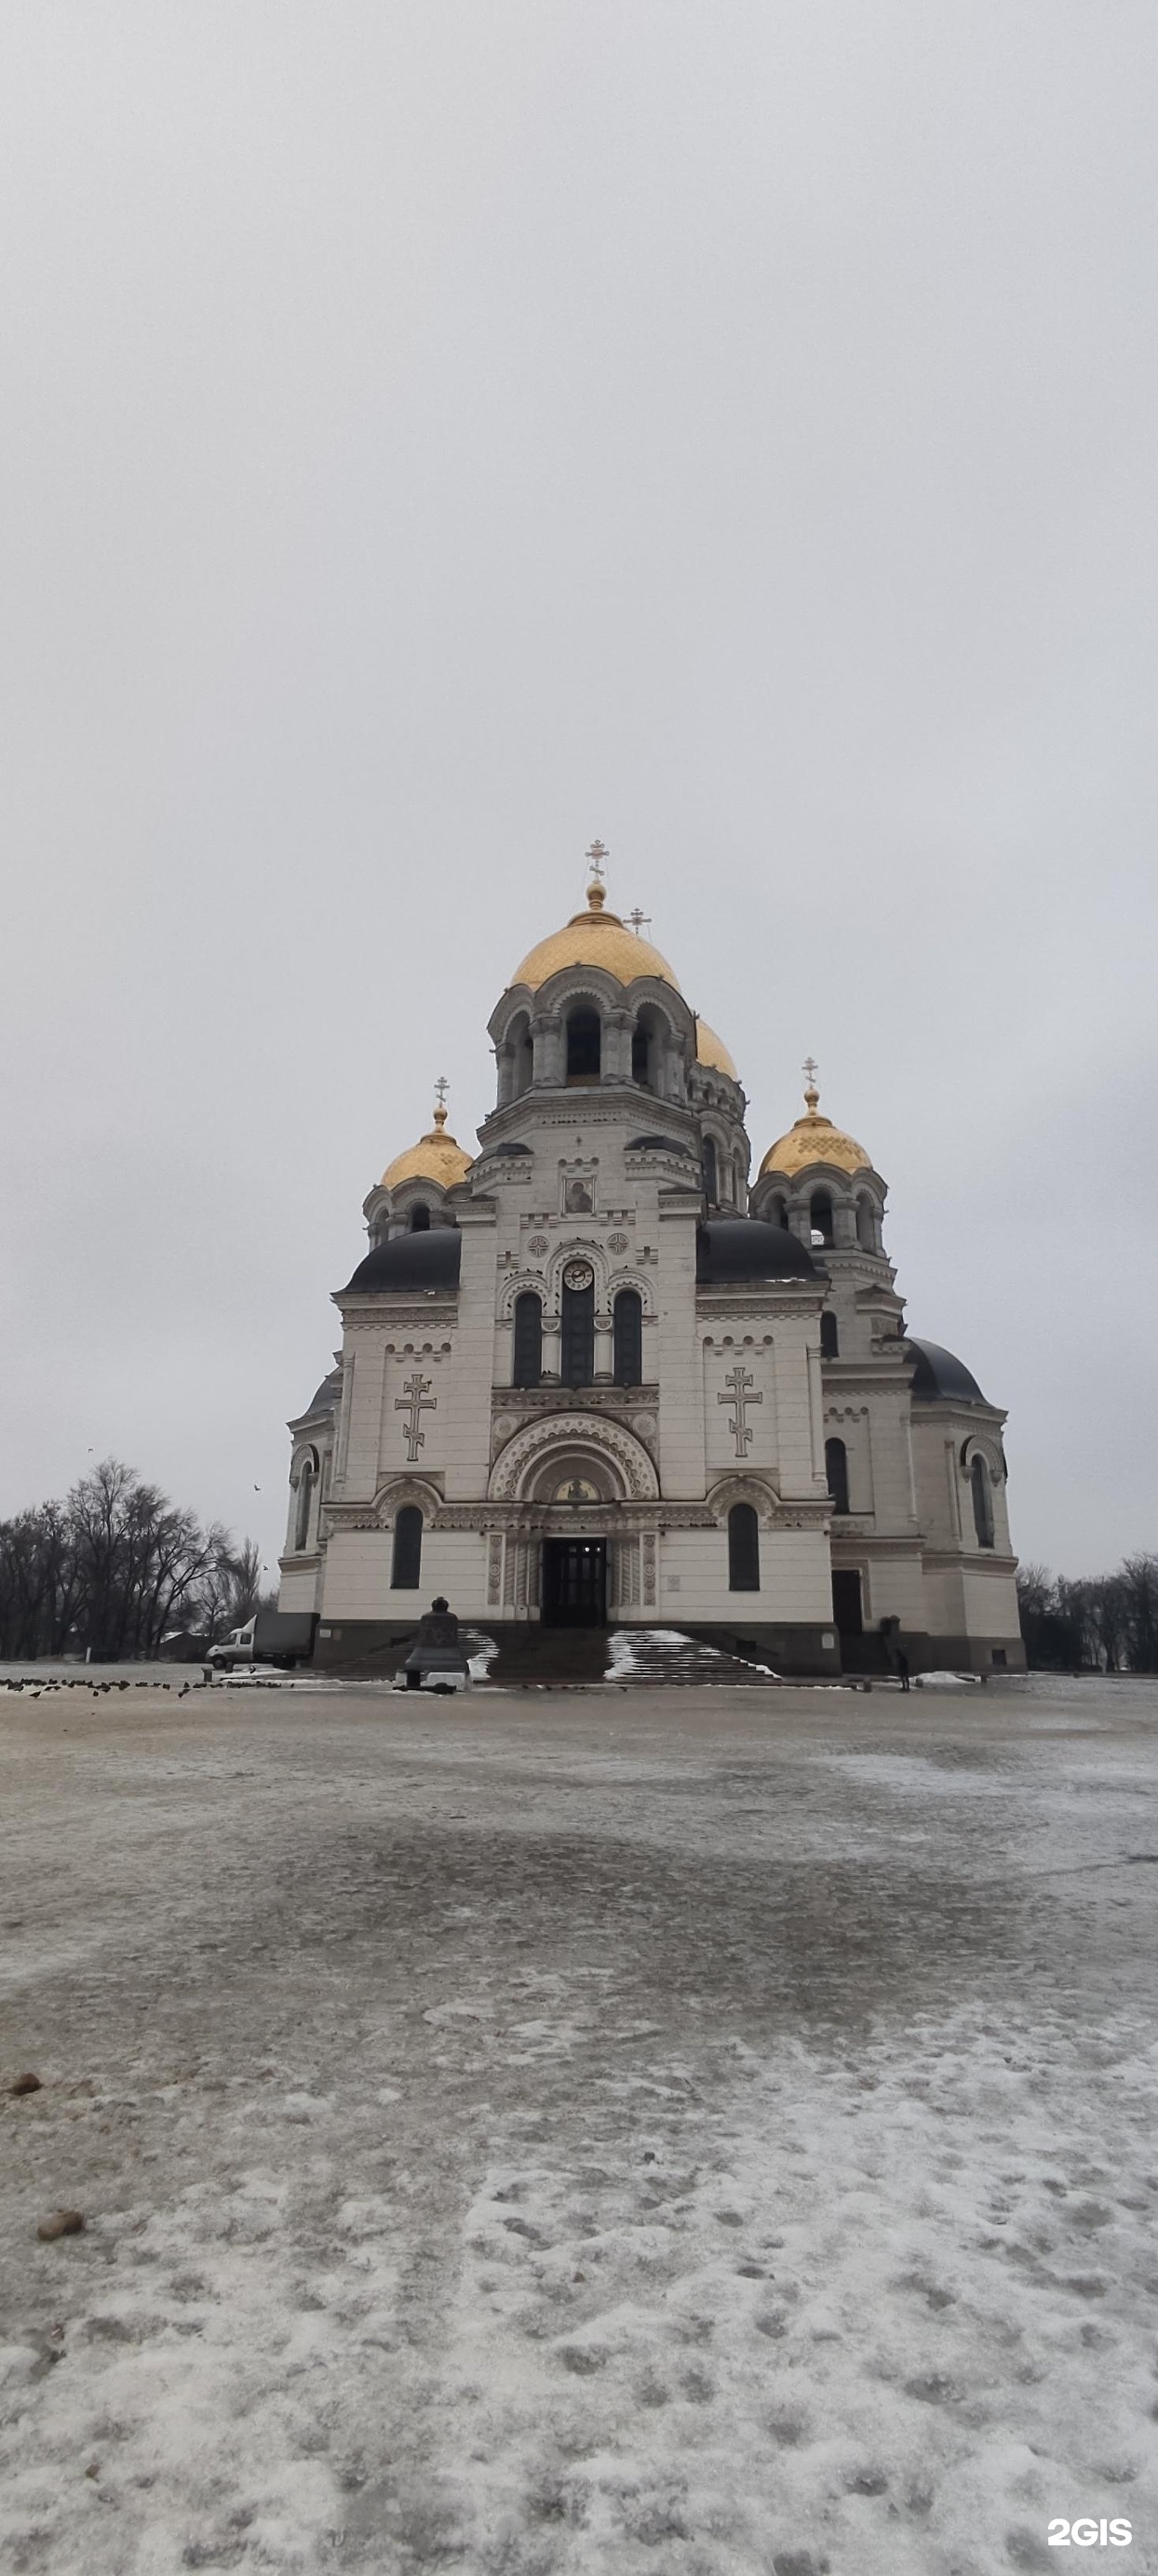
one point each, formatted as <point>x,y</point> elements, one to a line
<point>435,435</point>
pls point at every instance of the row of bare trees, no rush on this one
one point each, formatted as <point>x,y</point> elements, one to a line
<point>1102,1622</point>
<point>118,1571</point>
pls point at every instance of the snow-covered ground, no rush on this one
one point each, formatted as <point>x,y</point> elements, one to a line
<point>709,2134</point>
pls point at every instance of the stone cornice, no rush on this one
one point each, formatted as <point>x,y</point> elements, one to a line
<point>575,1399</point>
<point>782,1297</point>
<point>382,1312</point>
<point>966,1560</point>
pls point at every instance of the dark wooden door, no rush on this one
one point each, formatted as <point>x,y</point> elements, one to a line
<point>847,1609</point>
<point>575,1583</point>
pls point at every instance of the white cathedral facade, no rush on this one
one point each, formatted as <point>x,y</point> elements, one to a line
<point>595,1376</point>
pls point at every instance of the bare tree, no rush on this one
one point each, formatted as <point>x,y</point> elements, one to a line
<point>116,1569</point>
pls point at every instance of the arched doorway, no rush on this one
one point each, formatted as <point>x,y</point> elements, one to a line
<point>573,1579</point>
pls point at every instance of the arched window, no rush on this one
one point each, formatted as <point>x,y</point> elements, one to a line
<point>528,1356</point>
<point>584,1046</point>
<point>521,1044</point>
<point>836,1470</point>
<point>743,1549</point>
<point>577,1335</point>
<point>711,1181</point>
<point>306,1475</point>
<point>628,1335</point>
<point>982,1502</point>
<point>407,1566</point>
<point>820,1217</point>
<point>829,1336</point>
<point>866,1233</point>
<point>420,1218</point>
<point>778,1213</point>
<point>641,1053</point>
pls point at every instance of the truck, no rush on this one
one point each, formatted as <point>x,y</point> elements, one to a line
<point>284,1637</point>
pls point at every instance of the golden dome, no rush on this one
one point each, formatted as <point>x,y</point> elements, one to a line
<point>435,1157</point>
<point>711,1051</point>
<point>814,1140</point>
<point>595,938</point>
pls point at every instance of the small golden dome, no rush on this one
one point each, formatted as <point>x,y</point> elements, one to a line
<point>814,1140</point>
<point>712,1052</point>
<point>595,938</point>
<point>436,1157</point>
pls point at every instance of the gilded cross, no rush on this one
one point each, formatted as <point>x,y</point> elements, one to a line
<point>738,1386</point>
<point>415,1400</point>
<point>811,1068</point>
<point>639,920</point>
<point>441,1088</point>
<point>597,860</point>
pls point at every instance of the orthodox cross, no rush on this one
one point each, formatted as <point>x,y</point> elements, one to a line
<point>441,1088</point>
<point>738,1386</point>
<point>811,1068</point>
<point>597,860</point>
<point>639,920</point>
<point>415,1400</point>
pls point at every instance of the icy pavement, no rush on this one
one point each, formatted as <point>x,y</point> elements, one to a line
<point>708,2135</point>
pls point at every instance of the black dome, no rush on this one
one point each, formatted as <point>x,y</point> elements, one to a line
<point>745,1247</point>
<point>327,1395</point>
<point>412,1262</point>
<point>941,1378</point>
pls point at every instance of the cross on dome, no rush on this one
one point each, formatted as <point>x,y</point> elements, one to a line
<point>639,920</point>
<point>811,1068</point>
<point>597,861</point>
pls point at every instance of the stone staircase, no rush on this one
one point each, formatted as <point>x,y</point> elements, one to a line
<point>549,1655</point>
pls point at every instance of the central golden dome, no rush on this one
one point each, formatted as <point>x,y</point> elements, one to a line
<point>595,938</point>
<point>712,1052</point>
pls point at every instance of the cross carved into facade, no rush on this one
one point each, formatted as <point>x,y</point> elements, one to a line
<point>738,1391</point>
<point>415,1400</point>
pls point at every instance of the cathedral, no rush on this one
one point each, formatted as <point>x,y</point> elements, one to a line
<point>595,1376</point>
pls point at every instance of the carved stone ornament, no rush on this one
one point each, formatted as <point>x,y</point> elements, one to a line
<point>523,1457</point>
<point>538,1245</point>
<point>617,1243</point>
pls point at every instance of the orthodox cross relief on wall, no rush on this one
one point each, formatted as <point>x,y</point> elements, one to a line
<point>738,1391</point>
<point>415,1400</point>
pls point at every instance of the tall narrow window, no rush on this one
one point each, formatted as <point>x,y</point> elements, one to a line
<point>836,1470</point>
<point>820,1217</point>
<point>711,1181</point>
<point>982,1503</point>
<point>407,1565</point>
<point>577,1335</point>
<point>584,1053</point>
<point>420,1218</point>
<point>528,1355</point>
<point>305,1498</point>
<point>778,1213</point>
<point>866,1233</point>
<point>829,1336</point>
<point>743,1549</point>
<point>522,1054</point>
<point>628,1335</point>
<point>640,1054</point>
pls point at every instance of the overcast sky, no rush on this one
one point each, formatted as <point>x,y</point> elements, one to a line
<point>438,434</point>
